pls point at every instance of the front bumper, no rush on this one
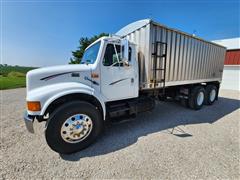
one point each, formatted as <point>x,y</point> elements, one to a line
<point>28,122</point>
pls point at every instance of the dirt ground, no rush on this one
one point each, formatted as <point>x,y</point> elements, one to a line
<point>171,142</point>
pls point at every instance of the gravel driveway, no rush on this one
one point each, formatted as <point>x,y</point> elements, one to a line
<point>171,142</point>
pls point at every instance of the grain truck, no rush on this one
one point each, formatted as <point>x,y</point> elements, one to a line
<point>120,76</point>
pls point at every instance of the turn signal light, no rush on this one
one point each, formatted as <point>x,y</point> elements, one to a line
<point>33,105</point>
<point>94,75</point>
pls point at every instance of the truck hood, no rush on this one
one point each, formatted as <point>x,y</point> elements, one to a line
<point>58,74</point>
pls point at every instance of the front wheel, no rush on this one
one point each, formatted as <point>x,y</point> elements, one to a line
<point>73,126</point>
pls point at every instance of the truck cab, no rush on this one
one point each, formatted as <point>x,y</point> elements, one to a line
<point>107,73</point>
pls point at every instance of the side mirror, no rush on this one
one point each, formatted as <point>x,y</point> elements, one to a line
<point>124,47</point>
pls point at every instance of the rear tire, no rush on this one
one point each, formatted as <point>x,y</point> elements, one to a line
<point>80,135</point>
<point>210,94</point>
<point>196,98</point>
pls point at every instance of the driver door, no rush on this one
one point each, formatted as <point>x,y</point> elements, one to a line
<point>117,80</point>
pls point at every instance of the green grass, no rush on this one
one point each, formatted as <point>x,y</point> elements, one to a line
<point>13,76</point>
<point>12,82</point>
<point>16,74</point>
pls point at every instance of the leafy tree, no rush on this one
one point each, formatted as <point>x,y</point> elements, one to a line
<point>84,43</point>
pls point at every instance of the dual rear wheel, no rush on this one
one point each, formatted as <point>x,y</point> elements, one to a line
<point>200,96</point>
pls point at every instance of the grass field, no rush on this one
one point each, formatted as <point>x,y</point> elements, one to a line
<point>12,82</point>
<point>13,76</point>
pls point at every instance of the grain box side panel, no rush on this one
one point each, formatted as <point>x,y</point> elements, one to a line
<point>189,59</point>
<point>169,49</point>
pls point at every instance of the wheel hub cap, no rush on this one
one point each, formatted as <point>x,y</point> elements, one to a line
<point>76,128</point>
<point>212,95</point>
<point>200,98</point>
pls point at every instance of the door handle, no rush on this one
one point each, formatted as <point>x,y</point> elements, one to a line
<point>132,80</point>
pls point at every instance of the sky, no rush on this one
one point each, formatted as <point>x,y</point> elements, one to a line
<point>44,33</point>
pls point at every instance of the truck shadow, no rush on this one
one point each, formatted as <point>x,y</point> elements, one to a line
<point>165,118</point>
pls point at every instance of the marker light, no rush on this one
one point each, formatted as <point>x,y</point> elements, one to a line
<point>94,75</point>
<point>33,105</point>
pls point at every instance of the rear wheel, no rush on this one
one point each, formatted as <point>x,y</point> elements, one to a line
<point>196,98</point>
<point>211,94</point>
<point>73,126</point>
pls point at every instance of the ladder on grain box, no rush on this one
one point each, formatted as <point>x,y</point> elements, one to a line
<point>159,65</point>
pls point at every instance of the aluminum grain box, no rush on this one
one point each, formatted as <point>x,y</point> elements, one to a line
<point>188,59</point>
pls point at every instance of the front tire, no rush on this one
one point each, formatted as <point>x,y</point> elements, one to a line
<point>73,127</point>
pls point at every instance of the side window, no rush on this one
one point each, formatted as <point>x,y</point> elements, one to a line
<point>110,57</point>
<point>129,53</point>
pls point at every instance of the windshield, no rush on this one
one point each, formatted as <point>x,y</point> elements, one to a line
<point>90,55</point>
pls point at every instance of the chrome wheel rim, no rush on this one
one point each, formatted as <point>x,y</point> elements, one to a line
<point>212,95</point>
<point>200,98</point>
<point>76,128</point>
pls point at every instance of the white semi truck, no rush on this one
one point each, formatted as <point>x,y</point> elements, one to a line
<point>120,76</point>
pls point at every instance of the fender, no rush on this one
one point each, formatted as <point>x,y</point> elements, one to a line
<point>47,94</point>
